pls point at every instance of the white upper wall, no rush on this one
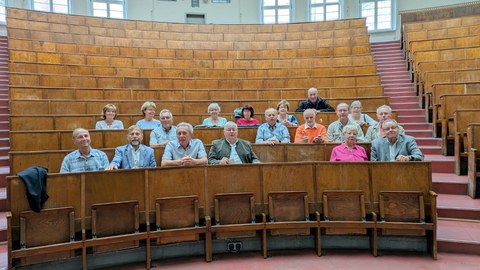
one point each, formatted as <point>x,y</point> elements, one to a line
<point>237,12</point>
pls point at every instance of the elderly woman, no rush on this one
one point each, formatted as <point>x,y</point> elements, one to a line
<point>214,120</point>
<point>348,150</point>
<point>357,116</point>
<point>109,113</point>
<point>287,120</point>
<point>148,122</point>
<point>247,117</point>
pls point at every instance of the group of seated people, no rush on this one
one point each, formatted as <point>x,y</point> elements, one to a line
<point>389,142</point>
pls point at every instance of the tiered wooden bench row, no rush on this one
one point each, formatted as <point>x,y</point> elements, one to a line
<point>431,29</point>
<point>16,92</point>
<point>472,146</point>
<point>136,198</point>
<point>49,157</point>
<point>72,121</point>
<point>183,53</point>
<point>85,106</point>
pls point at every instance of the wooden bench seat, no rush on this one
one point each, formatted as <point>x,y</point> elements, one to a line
<point>27,50</point>
<point>52,159</point>
<point>421,29</point>
<point>472,144</point>
<point>433,66</point>
<point>70,122</point>
<point>461,119</point>
<point>443,112</point>
<point>35,107</point>
<point>128,69</point>
<point>145,186</point>
<point>459,75</point>
<point>188,94</point>
<point>35,79</point>
<point>459,40</point>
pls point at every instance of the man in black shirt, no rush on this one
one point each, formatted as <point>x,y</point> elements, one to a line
<point>314,102</point>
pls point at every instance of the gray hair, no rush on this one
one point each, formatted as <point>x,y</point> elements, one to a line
<point>132,127</point>
<point>348,128</point>
<point>389,109</point>
<point>213,105</point>
<point>185,124</point>
<point>308,111</point>
<point>342,104</point>
<point>230,124</point>
<point>165,111</point>
<point>356,103</point>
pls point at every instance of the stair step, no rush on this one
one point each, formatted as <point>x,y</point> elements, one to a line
<point>4,142</point>
<point>417,126</point>
<point>446,183</point>
<point>441,164</point>
<point>404,105</point>
<point>420,133</point>
<point>3,227</point>
<point>403,99</point>
<point>430,150</point>
<point>410,112</point>
<point>458,236</point>
<point>421,142</point>
<point>4,161</point>
<point>458,206</point>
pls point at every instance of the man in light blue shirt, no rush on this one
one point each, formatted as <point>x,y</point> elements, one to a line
<point>134,154</point>
<point>85,158</point>
<point>164,133</point>
<point>272,132</point>
<point>184,151</point>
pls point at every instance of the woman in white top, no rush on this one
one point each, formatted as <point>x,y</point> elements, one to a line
<point>214,120</point>
<point>109,113</point>
<point>148,110</point>
<point>358,117</point>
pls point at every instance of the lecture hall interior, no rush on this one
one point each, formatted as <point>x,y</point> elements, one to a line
<point>69,66</point>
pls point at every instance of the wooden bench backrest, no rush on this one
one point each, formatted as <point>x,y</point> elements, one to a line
<point>441,89</point>
<point>34,107</point>
<point>206,181</point>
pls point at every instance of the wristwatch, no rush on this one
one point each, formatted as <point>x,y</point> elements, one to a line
<point>410,158</point>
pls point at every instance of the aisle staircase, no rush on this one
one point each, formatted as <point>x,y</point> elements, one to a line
<point>459,215</point>
<point>4,136</point>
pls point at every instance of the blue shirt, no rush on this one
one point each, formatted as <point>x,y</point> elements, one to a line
<point>208,122</point>
<point>117,124</point>
<point>74,162</point>
<point>148,124</point>
<point>279,131</point>
<point>159,135</point>
<point>174,151</point>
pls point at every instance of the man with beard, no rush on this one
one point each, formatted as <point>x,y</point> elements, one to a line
<point>85,158</point>
<point>231,149</point>
<point>134,154</point>
<point>184,151</point>
<point>394,146</point>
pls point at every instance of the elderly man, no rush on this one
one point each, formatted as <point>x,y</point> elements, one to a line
<point>85,158</point>
<point>231,149</point>
<point>310,132</point>
<point>164,133</point>
<point>272,132</point>
<point>184,151</point>
<point>134,154</point>
<point>335,129</point>
<point>314,102</point>
<point>375,131</point>
<point>394,146</point>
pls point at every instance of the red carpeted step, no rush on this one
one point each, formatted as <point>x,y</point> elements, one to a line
<point>458,206</point>
<point>446,183</point>
<point>441,164</point>
<point>428,142</point>
<point>404,105</point>
<point>458,236</point>
<point>430,150</point>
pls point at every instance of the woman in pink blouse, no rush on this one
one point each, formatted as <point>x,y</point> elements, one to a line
<point>348,150</point>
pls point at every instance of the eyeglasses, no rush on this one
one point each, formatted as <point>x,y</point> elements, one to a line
<point>389,128</point>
